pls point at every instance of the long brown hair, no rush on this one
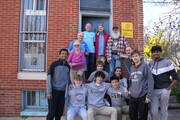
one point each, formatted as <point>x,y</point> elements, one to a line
<point>121,76</point>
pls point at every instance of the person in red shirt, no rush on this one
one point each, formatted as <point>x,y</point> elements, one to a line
<point>101,44</point>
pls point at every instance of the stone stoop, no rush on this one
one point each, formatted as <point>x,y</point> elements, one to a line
<point>172,99</point>
<point>173,103</point>
<point>101,117</point>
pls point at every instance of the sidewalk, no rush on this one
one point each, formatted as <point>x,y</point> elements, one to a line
<point>22,118</point>
<point>173,115</point>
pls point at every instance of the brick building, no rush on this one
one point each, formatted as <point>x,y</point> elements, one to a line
<point>32,32</point>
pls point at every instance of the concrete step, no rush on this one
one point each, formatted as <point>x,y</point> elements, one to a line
<point>174,106</point>
<point>101,117</point>
<point>22,118</point>
<point>98,117</point>
<point>172,99</point>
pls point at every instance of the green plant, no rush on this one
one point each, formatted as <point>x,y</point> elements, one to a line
<point>24,117</point>
<point>176,91</point>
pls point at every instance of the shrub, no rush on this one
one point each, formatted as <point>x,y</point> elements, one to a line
<point>176,92</point>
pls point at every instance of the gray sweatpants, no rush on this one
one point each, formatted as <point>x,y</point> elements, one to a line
<point>160,99</point>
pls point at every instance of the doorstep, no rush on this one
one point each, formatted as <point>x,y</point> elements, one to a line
<point>34,112</point>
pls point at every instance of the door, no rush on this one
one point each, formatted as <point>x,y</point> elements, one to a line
<point>95,21</point>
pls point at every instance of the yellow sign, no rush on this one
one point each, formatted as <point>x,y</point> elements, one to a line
<point>127,29</point>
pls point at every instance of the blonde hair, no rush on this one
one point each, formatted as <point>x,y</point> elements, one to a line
<point>78,78</point>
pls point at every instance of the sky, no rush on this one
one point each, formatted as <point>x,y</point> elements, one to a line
<point>153,12</point>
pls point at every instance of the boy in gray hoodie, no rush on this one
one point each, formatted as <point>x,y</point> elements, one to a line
<point>140,89</point>
<point>118,97</point>
<point>96,101</point>
<point>99,67</point>
<point>77,99</point>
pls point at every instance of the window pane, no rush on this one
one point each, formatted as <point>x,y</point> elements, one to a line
<point>42,23</point>
<point>102,5</point>
<point>40,5</point>
<point>35,36</point>
<point>34,55</point>
<point>29,4</point>
<point>43,98</point>
<point>35,99</point>
<point>35,23</point>
<point>31,98</point>
<point>34,47</point>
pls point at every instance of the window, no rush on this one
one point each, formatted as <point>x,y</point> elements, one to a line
<point>97,5</point>
<point>33,35</point>
<point>96,12</point>
<point>34,100</point>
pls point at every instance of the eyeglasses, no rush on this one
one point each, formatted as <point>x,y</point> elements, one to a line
<point>76,45</point>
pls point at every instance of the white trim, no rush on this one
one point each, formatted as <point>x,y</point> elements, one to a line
<point>162,70</point>
<point>80,21</point>
<point>35,41</point>
<point>33,70</point>
<point>47,16</point>
<point>40,32</point>
<point>32,113</point>
<point>95,13</point>
<point>111,18</point>
<point>35,12</point>
<point>80,18</point>
<point>32,76</point>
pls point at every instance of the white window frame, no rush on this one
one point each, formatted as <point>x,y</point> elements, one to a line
<point>32,12</point>
<point>37,97</point>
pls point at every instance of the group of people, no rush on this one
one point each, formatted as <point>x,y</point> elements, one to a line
<point>73,80</point>
<point>91,47</point>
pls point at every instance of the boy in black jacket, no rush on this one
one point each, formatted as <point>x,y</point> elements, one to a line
<point>161,69</point>
<point>57,80</point>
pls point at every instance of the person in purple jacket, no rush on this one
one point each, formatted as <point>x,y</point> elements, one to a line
<point>76,61</point>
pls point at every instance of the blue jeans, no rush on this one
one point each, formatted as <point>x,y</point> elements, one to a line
<point>115,62</point>
<point>74,111</point>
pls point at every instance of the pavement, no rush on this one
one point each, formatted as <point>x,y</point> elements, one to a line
<point>174,114</point>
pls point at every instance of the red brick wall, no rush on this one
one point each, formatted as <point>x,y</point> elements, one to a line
<point>62,27</point>
<point>130,11</point>
<point>9,30</point>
